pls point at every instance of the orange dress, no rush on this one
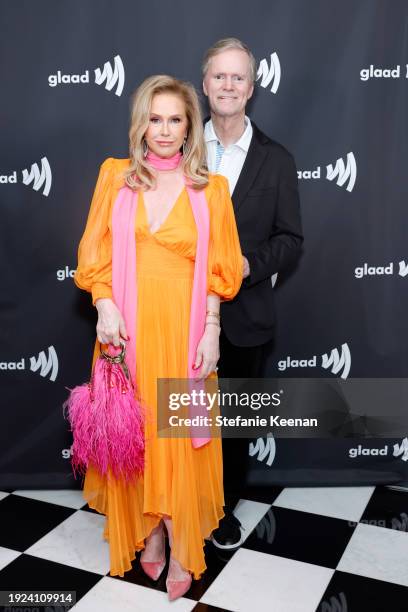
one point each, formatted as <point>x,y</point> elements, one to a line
<point>178,480</point>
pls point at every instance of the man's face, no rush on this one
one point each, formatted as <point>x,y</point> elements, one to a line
<point>228,83</point>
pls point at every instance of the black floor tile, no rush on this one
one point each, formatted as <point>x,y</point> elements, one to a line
<point>301,536</point>
<point>387,508</point>
<point>24,521</point>
<point>202,607</point>
<point>265,495</point>
<point>86,508</point>
<point>350,593</point>
<point>32,573</point>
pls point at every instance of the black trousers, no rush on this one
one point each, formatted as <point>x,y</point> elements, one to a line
<point>237,362</point>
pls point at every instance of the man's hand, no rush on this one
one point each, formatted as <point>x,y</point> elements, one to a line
<point>246,270</point>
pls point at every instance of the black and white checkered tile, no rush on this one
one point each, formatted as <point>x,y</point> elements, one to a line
<point>329,549</point>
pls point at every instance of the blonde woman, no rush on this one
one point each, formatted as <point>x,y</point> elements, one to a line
<point>182,226</point>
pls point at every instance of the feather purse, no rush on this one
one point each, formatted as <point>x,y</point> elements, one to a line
<point>107,420</point>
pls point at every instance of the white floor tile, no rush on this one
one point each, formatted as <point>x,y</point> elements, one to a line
<point>110,595</point>
<point>250,513</point>
<point>346,503</point>
<point>258,581</point>
<point>7,556</point>
<point>3,494</point>
<point>77,542</point>
<point>377,552</point>
<point>63,497</point>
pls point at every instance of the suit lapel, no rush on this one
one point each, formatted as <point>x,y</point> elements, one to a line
<point>253,162</point>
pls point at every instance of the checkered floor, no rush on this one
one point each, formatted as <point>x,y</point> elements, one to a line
<point>337,549</point>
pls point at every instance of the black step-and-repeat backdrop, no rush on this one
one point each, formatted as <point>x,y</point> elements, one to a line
<point>332,87</point>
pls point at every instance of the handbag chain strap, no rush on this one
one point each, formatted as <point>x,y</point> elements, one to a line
<point>118,359</point>
<point>115,358</point>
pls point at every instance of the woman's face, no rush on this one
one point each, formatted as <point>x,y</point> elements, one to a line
<point>168,125</point>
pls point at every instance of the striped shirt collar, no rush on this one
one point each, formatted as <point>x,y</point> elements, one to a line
<point>243,142</point>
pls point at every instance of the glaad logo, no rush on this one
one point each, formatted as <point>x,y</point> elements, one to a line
<point>108,76</point>
<point>39,178</point>
<point>337,362</point>
<point>403,268</point>
<point>117,75</point>
<point>66,453</point>
<point>46,365</point>
<point>335,604</point>
<point>270,74</point>
<point>65,273</point>
<point>382,73</point>
<point>366,270</point>
<point>264,450</point>
<point>342,171</point>
<point>372,452</point>
<point>400,525</point>
<point>401,449</point>
<point>334,361</point>
<point>266,528</point>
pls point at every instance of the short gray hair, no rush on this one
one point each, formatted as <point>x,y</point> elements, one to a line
<point>223,45</point>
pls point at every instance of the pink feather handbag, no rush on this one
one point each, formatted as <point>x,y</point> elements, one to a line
<point>107,420</point>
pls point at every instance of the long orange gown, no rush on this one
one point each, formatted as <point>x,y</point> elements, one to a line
<point>178,480</point>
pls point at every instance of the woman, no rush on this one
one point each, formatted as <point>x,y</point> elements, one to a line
<point>180,492</point>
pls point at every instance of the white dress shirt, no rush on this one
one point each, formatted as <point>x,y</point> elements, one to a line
<point>233,156</point>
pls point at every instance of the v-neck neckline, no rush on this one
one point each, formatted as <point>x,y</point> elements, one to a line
<point>167,216</point>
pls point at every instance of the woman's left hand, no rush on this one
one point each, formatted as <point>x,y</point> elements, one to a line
<point>208,352</point>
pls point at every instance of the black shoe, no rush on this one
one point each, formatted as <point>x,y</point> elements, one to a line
<point>228,534</point>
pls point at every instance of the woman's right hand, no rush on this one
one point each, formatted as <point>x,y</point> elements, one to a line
<point>110,326</point>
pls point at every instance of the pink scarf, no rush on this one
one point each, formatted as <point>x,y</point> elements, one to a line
<point>124,286</point>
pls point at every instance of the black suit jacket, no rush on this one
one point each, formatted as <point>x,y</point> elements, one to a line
<point>267,211</point>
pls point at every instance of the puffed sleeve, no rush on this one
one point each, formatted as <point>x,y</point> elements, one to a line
<point>224,252</point>
<point>94,270</point>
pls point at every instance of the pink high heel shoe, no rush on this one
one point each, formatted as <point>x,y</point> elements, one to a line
<point>153,569</point>
<point>177,588</point>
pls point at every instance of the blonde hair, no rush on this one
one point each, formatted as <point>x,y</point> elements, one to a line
<point>223,45</point>
<point>139,174</point>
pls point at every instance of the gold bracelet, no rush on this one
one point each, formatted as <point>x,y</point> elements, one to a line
<point>213,323</point>
<point>212,313</point>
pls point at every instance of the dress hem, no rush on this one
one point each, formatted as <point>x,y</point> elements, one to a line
<point>196,574</point>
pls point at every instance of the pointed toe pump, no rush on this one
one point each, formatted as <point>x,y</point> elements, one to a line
<point>177,588</point>
<point>153,569</point>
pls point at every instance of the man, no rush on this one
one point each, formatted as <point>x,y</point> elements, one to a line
<point>263,184</point>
